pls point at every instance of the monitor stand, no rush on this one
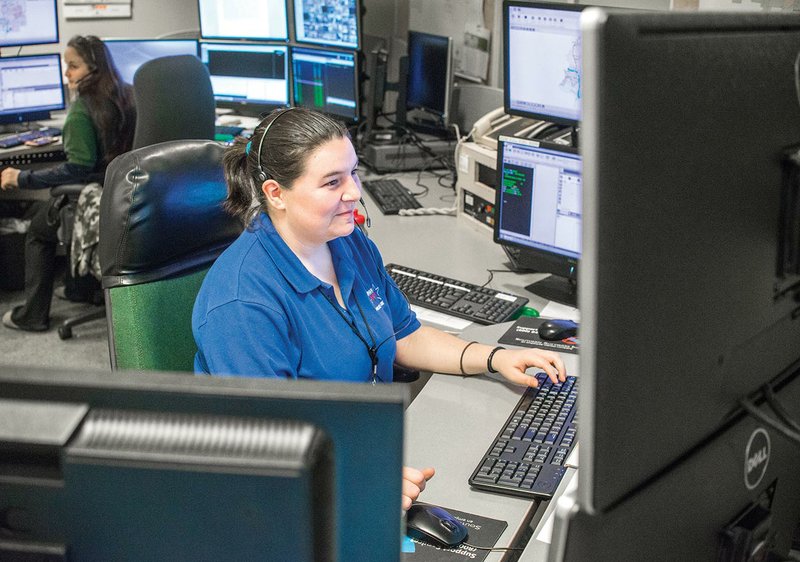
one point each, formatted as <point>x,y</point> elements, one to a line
<point>555,288</point>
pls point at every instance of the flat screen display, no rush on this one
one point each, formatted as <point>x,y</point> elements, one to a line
<point>28,22</point>
<point>326,80</point>
<point>130,54</point>
<point>30,87</point>
<point>263,20</point>
<point>327,22</point>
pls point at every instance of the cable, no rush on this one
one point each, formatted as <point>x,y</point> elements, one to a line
<point>778,408</point>
<point>751,408</point>
<point>451,211</point>
<point>492,548</point>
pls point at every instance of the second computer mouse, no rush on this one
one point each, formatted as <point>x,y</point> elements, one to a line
<point>555,330</point>
<point>432,524</point>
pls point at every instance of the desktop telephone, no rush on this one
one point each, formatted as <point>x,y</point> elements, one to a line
<point>497,122</point>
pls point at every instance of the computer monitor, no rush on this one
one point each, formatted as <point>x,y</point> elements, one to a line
<point>158,466</point>
<point>690,289</point>
<point>538,212</point>
<point>326,80</point>
<point>130,54</point>
<point>335,23</point>
<point>428,81</point>
<point>28,22</point>
<point>30,88</point>
<point>264,20</point>
<point>249,78</point>
<point>542,48</point>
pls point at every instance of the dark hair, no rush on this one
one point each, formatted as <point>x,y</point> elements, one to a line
<point>108,99</point>
<point>296,133</point>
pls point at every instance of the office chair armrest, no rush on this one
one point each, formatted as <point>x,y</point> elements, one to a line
<point>71,190</point>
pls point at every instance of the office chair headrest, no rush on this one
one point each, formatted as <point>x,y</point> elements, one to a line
<point>161,212</point>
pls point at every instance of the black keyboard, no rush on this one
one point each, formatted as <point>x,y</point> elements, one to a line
<point>527,457</point>
<point>17,139</point>
<point>31,157</point>
<point>228,130</point>
<point>457,298</point>
<point>390,196</point>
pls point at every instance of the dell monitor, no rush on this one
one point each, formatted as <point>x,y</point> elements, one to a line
<point>28,22</point>
<point>30,88</point>
<point>335,23</point>
<point>327,81</point>
<point>264,20</point>
<point>542,54</point>
<point>689,288</point>
<point>159,466</point>
<point>538,212</point>
<point>427,82</point>
<point>249,78</point>
<point>129,54</point>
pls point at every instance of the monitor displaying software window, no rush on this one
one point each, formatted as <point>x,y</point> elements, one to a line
<point>248,78</point>
<point>327,22</point>
<point>326,80</point>
<point>542,44</point>
<point>130,54</point>
<point>242,19</point>
<point>28,22</point>
<point>538,206</point>
<point>30,88</point>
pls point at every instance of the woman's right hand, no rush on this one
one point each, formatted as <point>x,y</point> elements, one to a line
<point>8,178</point>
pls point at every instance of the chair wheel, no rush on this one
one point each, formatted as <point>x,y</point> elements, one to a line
<point>65,332</point>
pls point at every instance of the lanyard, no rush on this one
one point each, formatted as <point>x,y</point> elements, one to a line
<point>372,350</point>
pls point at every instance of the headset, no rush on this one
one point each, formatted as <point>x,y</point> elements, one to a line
<point>262,175</point>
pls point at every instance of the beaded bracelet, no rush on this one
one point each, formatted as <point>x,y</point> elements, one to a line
<point>489,359</point>
<point>461,361</point>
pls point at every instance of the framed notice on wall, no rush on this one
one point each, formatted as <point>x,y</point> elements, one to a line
<point>82,9</point>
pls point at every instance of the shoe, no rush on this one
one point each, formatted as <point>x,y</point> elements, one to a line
<point>8,322</point>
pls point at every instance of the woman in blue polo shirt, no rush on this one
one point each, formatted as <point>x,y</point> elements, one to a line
<point>302,293</point>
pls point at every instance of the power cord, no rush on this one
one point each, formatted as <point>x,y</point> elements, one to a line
<point>786,426</point>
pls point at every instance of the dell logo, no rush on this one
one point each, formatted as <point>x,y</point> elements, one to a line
<point>756,458</point>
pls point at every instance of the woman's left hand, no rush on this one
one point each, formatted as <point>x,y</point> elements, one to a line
<point>8,178</point>
<point>512,364</point>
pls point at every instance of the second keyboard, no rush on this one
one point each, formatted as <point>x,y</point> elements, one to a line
<point>390,196</point>
<point>457,298</point>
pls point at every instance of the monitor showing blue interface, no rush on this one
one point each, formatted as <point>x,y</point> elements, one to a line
<point>130,54</point>
<point>326,81</point>
<point>30,88</point>
<point>327,22</point>
<point>28,22</point>
<point>543,61</point>
<point>538,208</point>
<point>242,19</point>
<point>246,77</point>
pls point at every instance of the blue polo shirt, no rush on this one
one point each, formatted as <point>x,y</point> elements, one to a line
<point>261,313</point>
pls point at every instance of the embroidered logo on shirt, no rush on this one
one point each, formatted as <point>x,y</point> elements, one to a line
<point>375,298</point>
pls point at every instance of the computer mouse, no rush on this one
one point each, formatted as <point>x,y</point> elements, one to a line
<point>555,330</point>
<point>434,525</point>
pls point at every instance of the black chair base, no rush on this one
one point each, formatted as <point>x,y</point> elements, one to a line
<point>65,329</point>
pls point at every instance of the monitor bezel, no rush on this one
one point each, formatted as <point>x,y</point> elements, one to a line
<point>25,116</point>
<point>233,38</point>
<point>356,75</point>
<point>537,259</point>
<point>23,44</point>
<point>555,6</point>
<point>297,24</point>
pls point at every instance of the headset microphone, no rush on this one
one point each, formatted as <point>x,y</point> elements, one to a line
<point>366,212</point>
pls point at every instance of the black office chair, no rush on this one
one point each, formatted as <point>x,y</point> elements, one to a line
<point>174,101</point>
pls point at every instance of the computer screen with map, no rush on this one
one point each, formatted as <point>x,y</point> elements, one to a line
<point>542,46</point>
<point>328,22</point>
<point>28,22</point>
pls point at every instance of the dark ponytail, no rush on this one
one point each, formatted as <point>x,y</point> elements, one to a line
<point>296,133</point>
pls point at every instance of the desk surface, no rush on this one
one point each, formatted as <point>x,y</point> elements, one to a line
<point>453,419</point>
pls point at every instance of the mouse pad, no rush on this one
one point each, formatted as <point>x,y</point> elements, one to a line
<point>525,333</point>
<point>482,532</point>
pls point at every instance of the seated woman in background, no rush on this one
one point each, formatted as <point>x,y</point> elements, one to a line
<point>303,294</point>
<point>99,127</point>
